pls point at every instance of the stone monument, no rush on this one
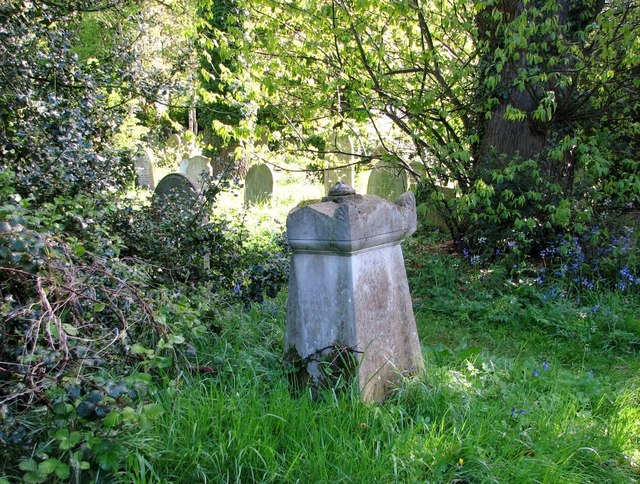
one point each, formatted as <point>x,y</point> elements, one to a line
<point>174,141</point>
<point>258,185</point>
<point>144,170</point>
<point>339,162</point>
<point>179,185</point>
<point>197,167</point>
<point>387,181</point>
<point>348,290</point>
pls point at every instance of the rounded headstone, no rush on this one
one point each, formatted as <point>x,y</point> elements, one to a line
<point>387,181</point>
<point>177,184</point>
<point>197,166</point>
<point>174,141</point>
<point>258,185</point>
<point>143,164</point>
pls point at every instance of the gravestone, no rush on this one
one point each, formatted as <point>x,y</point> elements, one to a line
<point>174,141</point>
<point>196,167</point>
<point>338,163</point>
<point>178,185</point>
<point>144,165</point>
<point>258,185</point>
<point>183,165</point>
<point>432,216</point>
<point>349,297</point>
<point>387,181</point>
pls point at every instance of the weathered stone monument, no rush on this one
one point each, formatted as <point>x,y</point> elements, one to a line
<point>143,164</point>
<point>258,185</point>
<point>348,291</point>
<point>338,163</point>
<point>387,181</point>
<point>198,167</point>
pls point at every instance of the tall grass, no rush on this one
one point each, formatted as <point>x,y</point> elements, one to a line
<point>517,388</point>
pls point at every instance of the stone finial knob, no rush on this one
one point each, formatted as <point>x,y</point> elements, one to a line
<point>341,189</point>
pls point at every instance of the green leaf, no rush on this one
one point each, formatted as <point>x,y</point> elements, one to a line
<point>112,419</point>
<point>62,434</point>
<point>176,339</point>
<point>85,408</point>
<point>69,329</point>
<point>138,349</point>
<point>28,465</point>
<point>78,249</point>
<point>48,466</point>
<point>110,455</point>
<point>34,477</point>
<point>63,471</point>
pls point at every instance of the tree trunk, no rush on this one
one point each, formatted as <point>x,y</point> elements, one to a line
<point>501,138</point>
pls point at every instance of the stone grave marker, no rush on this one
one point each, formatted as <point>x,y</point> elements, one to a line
<point>174,141</point>
<point>433,217</point>
<point>183,165</point>
<point>178,184</point>
<point>196,167</point>
<point>144,167</point>
<point>349,311</point>
<point>258,185</point>
<point>387,181</point>
<point>338,166</point>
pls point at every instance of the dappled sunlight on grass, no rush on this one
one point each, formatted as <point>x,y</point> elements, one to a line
<point>497,402</point>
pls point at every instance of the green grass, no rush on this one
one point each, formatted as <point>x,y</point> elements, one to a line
<point>517,388</point>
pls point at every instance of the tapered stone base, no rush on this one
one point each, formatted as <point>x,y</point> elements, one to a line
<point>343,300</point>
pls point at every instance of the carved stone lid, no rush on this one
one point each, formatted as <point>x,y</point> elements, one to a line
<point>351,223</point>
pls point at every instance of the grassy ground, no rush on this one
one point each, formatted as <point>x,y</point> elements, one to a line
<point>518,387</point>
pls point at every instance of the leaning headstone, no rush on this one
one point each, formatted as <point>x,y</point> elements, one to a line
<point>387,181</point>
<point>258,185</point>
<point>338,162</point>
<point>197,167</point>
<point>349,309</point>
<point>143,164</point>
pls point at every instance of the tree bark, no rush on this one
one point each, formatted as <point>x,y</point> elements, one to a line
<point>502,138</point>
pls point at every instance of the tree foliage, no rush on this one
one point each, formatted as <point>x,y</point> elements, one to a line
<point>223,105</point>
<point>531,107</point>
<point>55,115</point>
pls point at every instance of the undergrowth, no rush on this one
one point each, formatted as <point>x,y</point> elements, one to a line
<point>517,388</point>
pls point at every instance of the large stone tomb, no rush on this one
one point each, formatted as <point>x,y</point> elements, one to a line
<point>348,290</point>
